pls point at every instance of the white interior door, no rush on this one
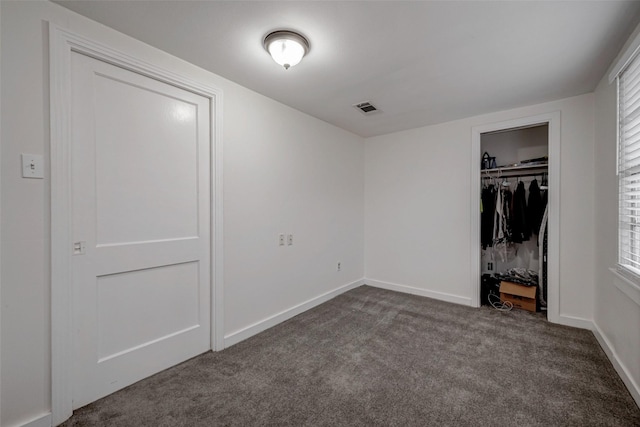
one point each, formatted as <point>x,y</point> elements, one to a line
<point>140,170</point>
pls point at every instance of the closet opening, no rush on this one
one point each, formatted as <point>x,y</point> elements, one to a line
<point>514,217</point>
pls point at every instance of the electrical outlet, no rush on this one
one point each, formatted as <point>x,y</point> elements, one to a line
<point>290,239</point>
<point>490,266</point>
<point>281,239</point>
<point>339,265</point>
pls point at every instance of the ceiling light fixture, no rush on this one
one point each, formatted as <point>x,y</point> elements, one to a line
<point>286,47</point>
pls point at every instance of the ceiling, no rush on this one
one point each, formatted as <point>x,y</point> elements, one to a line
<point>419,62</point>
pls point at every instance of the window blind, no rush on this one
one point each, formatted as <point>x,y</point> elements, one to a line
<point>629,167</point>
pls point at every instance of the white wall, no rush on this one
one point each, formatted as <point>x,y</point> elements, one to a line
<point>287,173</point>
<point>417,207</point>
<point>284,172</point>
<point>517,145</point>
<point>616,315</point>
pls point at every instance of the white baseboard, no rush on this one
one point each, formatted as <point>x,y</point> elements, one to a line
<point>442,296</point>
<point>256,328</point>
<point>39,421</point>
<point>576,322</point>
<point>622,370</point>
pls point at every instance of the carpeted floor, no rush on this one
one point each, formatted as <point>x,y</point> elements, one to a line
<point>372,357</point>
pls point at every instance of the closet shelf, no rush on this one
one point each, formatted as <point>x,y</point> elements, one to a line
<point>524,170</point>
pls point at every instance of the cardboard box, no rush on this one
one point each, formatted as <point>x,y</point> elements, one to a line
<point>523,297</point>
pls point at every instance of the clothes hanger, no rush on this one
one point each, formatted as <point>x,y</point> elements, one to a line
<point>486,179</point>
<point>543,182</point>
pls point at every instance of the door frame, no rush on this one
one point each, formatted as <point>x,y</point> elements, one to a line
<point>552,119</point>
<point>62,43</point>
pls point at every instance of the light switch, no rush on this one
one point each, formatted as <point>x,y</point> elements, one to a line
<point>32,166</point>
<point>79,248</point>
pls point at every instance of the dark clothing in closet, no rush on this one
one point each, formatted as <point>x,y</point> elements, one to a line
<point>488,211</point>
<point>520,228</point>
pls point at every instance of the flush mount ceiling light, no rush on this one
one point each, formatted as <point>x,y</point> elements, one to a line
<point>286,47</point>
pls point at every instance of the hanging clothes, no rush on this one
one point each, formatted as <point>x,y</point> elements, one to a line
<point>507,210</point>
<point>519,225</point>
<point>535,208</point>
<point>502,244</point>
<point>486,219</point>
<point>498,223</point>
<point>502,217</point>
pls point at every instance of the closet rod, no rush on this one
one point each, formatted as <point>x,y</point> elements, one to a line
<point>512,174</point>
<point>522,170</point>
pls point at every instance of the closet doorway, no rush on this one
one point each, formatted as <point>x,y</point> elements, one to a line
<point>515,232</point>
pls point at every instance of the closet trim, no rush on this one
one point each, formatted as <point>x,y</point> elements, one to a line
<point>552,119</point>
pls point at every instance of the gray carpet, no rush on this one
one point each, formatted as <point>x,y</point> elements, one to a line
<point>372,357</point>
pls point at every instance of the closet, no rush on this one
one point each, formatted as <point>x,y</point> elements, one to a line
<point>514,214</point>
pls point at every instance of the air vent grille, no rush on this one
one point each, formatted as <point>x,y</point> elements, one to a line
<point>366,107</point>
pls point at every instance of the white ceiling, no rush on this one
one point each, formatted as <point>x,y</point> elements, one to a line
<point>420,62</point>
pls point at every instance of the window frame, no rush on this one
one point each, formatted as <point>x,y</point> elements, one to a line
<point>627,172</point>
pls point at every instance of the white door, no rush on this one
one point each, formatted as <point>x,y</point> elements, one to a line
<point>141,227</point>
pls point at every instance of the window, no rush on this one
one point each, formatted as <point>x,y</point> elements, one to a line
<point>629,167</point>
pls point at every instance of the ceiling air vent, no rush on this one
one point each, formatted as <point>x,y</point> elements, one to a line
<point>366,107</point>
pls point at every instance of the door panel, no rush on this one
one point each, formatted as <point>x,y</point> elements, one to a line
<point>141,209</point>
<point>151,304</point>
<point>157,150</point>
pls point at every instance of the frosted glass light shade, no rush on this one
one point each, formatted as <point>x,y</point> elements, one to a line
<point>286,47</point>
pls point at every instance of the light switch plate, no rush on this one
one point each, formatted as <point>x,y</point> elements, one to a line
<point>32,166</point>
